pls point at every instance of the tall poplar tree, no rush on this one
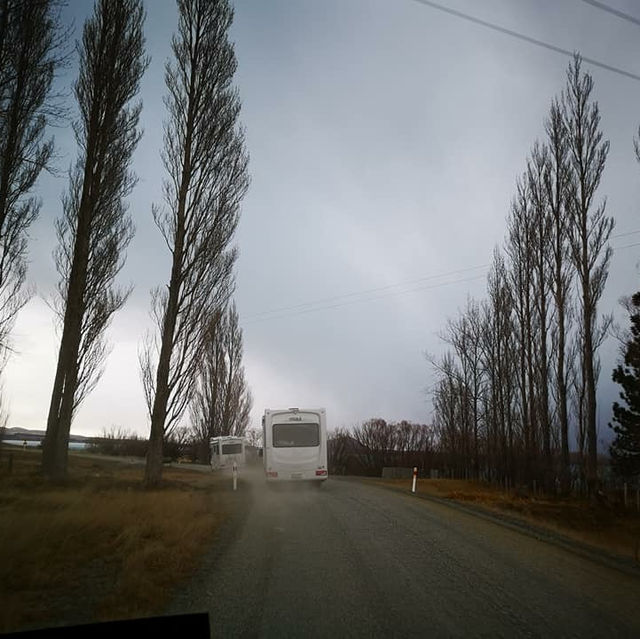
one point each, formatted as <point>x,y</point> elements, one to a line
<point>31,50</point>
<point>95,227</point>
<point>589,229</point>
<point>206,167</point>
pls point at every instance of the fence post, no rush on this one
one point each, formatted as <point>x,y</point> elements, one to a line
<point>415,476</point>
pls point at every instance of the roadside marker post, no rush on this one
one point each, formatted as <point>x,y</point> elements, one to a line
<point>234,473</point>
<point>415,477</point>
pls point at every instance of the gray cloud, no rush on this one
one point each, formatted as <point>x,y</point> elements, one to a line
<point>385,140</point>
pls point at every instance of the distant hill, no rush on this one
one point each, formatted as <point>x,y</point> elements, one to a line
<point>36,435</point>
<point>17,431</point>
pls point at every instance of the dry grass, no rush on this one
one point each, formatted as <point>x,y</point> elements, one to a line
<point>100,547</point>
<point>611,529</point>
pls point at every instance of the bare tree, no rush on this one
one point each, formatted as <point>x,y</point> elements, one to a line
<point>520,249</point>
<point>339,447</point>
<point>533,362</point>
<point>207,401</point>
<point>254,437</point>
<point>556,182</point>
<point>376,438</point>
<point>221,402</point>
<point>477,390</point>
<point>238,400</point>
<point>95,227</point>
<point>207,177</point>
<point>449,407</point>
<point>500,355</point>
<point>589,231</point>
<point>31,50</point>
<point>464,336</point>
<point>537,171</point>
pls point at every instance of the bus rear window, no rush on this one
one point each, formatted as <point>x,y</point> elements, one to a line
<point>231,449</point>
<point>296,435</point>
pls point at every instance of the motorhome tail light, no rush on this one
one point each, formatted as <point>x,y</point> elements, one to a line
<point>320,473</point>
<point>272,473</point>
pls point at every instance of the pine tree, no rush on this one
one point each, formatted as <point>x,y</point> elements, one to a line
<point>625,449</point>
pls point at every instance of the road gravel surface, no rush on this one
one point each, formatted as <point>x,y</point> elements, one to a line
<point>351,559</point>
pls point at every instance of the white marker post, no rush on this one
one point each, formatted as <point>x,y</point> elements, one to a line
<point>415,477</point>
<point>234,473</point>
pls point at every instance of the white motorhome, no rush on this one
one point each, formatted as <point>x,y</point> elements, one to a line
<point>226,450</point>
<point>295,444</point>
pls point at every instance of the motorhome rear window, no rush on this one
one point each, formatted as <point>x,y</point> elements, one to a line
<point>231,449</point>
<point>296,435</point>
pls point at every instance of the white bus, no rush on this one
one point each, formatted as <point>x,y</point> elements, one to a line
<point>295,444</point>
<point>225,450</point>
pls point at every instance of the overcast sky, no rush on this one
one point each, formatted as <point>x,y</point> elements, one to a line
<point>385,139</point>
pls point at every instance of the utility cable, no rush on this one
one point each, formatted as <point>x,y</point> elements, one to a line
<point>356,301</point>
<point>321,302</point>
<point>525,38</point>
<point>617,248</point>
<point>378,289</point>
<point>361,296</point>
<point>615,12</point>
<point>625,234</point>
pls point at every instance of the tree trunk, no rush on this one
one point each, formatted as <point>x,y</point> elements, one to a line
<point>562,404</point>
<point>592,436</point>
<point>153,471</point>
<point>55,446</point>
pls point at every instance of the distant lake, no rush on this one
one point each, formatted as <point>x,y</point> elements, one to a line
<point>35,444</point>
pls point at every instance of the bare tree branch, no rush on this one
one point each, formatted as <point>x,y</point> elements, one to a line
<point>32,49</point>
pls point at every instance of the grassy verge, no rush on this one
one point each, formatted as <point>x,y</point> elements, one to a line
<point>100,547</point>
<point>607,528</point>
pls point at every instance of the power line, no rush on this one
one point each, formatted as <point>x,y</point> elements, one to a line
<point>525,38</point>
<point>315,306</point>
<point>377,289</point>
<point>356,301</point>
<point>615,12</point>
<point>320,303</point>
<point>341,300</point>
<point>625,234</point>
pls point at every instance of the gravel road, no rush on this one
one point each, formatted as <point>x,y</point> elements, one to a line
<point>351,559</point>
